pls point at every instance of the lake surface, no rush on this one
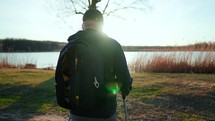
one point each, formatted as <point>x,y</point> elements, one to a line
<point>49,59</point>
<point>42,59</point>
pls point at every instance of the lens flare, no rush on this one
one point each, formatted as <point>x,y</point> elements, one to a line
<point>113,88</point>
<point>114,91</point>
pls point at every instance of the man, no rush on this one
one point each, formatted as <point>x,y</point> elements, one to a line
<point>116,70</point>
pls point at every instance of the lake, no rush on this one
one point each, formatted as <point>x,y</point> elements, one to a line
<point>42,59</point>
<point>49,59</point>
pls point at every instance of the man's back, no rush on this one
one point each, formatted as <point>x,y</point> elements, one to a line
<point>115,69</point>
<point>104,58</point>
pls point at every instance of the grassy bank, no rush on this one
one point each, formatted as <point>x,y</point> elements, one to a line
<point>155,96</point>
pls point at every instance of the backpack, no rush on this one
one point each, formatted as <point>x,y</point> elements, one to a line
<point>80,75</point>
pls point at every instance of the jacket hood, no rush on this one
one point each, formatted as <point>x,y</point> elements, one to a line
<point>87,32</point>
<point>75,36</point>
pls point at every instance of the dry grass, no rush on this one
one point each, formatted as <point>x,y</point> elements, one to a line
<point>176,62</point>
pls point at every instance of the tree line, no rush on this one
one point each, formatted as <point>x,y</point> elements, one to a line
<point>24,45</point>
<point>202,46</point>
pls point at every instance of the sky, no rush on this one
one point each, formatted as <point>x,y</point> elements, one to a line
<point>166,23</point>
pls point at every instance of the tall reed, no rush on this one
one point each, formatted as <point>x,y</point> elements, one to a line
<point>11,61</point>
<point>175,62</point>
<point>4,63</point>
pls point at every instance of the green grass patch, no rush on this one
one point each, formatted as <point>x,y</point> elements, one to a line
<point>146,92</point>
<point>187,117</point>
<point>7,101</point>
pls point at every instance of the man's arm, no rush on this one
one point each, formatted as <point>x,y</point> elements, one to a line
<point>124,79</point>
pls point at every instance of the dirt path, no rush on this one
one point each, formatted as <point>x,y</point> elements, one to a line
<point>23,117</point>
<point>48,118</point>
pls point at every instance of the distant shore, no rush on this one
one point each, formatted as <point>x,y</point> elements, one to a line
<point>24,45</point>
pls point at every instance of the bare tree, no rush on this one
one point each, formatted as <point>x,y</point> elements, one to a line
<point>63,9</point>
<point>107,7</point>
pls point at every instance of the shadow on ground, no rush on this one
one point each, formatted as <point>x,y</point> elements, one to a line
<point>28,101</point>
<point>174,107</point>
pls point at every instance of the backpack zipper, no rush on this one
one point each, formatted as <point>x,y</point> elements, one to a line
<point>76,63</point>
<point>77,83</point>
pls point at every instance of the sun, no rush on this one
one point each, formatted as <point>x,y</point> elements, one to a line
<point>119,30</point>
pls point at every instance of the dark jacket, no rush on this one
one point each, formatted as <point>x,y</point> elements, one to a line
<point>116,70</point>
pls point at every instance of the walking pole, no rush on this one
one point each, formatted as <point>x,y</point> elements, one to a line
<point>70,119</point>
<point>125,108</point>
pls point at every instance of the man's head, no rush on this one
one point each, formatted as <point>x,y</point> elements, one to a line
<point>92,19</point>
